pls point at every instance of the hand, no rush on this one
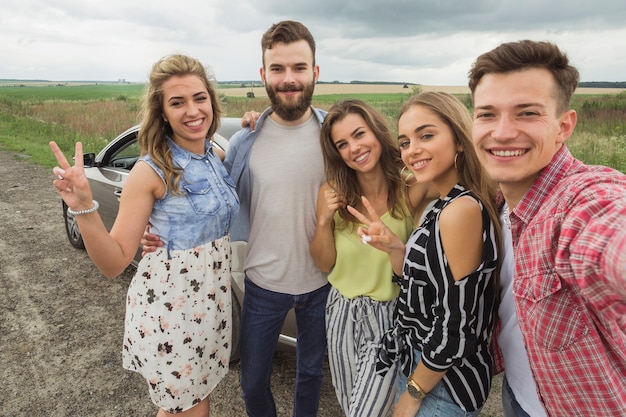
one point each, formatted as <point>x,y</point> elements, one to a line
<point>407,406</point>
<point>249,119</point>
<point>333,202</point>
<point>149,242</point>
<point>380,236</point>
<point>376,234</point>
<point>71,183</point>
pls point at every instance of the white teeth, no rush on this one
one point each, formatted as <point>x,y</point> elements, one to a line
<point>196,123</point>
<point>420,163</point>
<point>362,157</point>
<point>508,153</point>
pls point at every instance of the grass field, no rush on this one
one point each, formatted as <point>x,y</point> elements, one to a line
<point>33,114</point>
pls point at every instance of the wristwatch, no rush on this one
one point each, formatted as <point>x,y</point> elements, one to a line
<point>415,390</point>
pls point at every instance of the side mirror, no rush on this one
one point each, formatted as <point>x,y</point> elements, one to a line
<point>89,159</point>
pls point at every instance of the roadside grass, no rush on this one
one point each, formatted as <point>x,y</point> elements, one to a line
<point>28,126</point>
<point>30,117</point>
<point>599,150</point>
<point>600,134</point>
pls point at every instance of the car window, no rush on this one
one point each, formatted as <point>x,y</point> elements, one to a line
<point>124,151</point>
<point>125,156</point>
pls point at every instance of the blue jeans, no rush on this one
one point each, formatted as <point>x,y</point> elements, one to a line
<point>262,319</point>
<point>438,402</point>
<point>510,406</point>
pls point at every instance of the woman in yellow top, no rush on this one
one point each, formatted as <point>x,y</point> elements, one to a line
<point>361,159</point>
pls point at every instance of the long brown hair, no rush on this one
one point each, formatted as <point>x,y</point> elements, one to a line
<point>154,129</point>
<point>343,178</point>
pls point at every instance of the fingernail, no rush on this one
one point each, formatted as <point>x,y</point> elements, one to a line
<point>58,172</point>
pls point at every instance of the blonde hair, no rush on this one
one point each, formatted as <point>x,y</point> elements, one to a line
<point>154,129</point>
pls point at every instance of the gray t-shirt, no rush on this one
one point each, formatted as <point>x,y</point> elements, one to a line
<point>287,169</point>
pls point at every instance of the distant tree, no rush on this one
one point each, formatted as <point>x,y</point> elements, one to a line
<point>602,84</point>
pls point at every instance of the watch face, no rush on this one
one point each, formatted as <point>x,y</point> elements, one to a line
<point>414,392</point>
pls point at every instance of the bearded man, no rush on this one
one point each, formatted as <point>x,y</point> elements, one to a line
<point>278,169</point>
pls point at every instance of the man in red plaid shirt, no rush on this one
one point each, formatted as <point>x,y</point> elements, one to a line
<point>568,224</point>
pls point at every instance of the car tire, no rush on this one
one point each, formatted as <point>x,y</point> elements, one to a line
<point>236,328</point>
<point>71,229</point>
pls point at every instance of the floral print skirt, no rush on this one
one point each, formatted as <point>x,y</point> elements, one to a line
<point>177,331</point>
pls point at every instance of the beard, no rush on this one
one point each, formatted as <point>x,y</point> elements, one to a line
<point>291,108</point>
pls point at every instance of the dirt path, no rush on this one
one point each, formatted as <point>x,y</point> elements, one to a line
<point>61,321</point>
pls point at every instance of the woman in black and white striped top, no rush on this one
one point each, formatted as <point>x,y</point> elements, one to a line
<point>448,270</point>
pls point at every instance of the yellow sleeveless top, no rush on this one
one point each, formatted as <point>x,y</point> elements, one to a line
<point>361,270</point>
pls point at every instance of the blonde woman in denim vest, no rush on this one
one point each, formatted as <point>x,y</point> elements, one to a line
<point>178,308</point>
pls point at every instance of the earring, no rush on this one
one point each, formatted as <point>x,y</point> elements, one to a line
<point>455,161</point>
<point>406,176</point>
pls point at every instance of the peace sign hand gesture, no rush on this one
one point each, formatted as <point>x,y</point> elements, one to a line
<point>378,235</point>
<point>71,183</point>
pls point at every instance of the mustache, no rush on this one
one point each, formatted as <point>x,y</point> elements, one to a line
<point>290,88</point>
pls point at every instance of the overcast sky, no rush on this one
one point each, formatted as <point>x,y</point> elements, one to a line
<point>417,41</point>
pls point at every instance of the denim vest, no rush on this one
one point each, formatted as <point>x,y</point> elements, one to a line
<point>207,208</point>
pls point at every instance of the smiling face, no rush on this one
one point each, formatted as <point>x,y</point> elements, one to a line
<point>428,147</point>
<point>516,129</point>
<point>289,76</point>
<point>356,143</point>
<point>188,109</point>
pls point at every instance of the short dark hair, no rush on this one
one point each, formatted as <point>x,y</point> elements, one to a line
<point>527,54</point>
<point>287,31</point>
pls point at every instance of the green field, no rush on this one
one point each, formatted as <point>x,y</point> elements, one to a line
<point>31,116</point>
<point>71,92</point>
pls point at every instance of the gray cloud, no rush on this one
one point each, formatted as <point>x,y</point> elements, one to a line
<point>374,40</point>
<point>380,18</point>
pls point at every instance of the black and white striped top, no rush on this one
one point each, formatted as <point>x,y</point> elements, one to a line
<point>448,321</point>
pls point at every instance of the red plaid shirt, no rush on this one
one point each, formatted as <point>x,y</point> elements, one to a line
<point>569,238</point>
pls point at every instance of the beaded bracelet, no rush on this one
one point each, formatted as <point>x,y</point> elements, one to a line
<point>81,212</point>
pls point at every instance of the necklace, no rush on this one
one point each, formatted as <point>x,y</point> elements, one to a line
<point>507,219</point>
